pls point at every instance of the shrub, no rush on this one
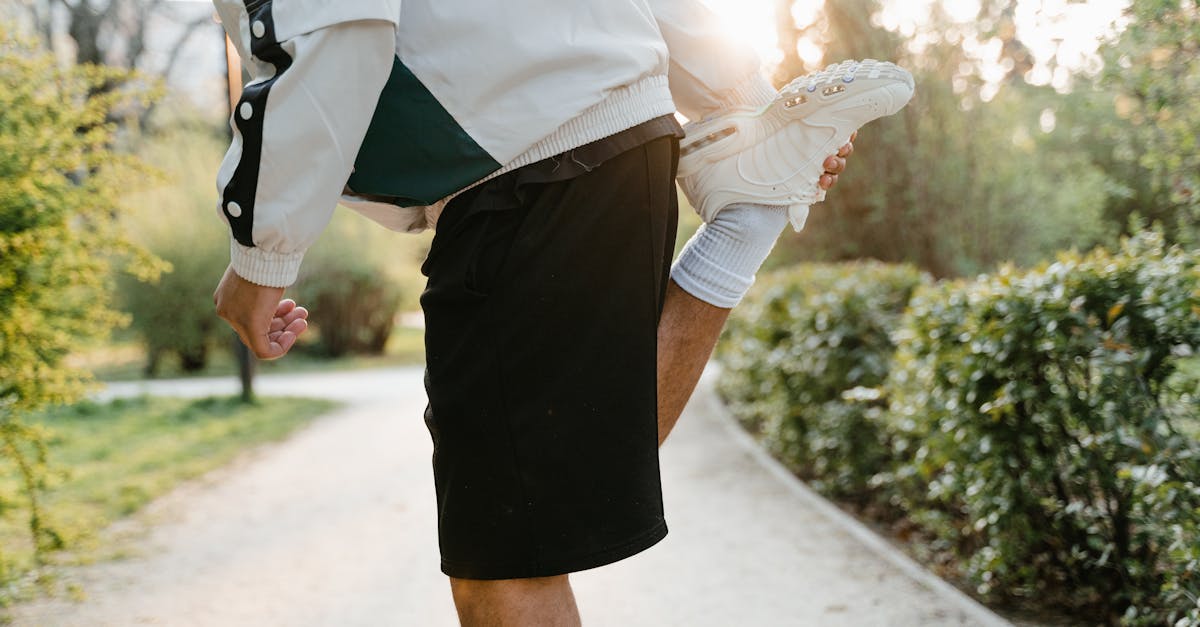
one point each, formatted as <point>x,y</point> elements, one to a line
<point>59,185</point>
<point>800,357</point>
<point>357,307</point>
<point>177,221</point>
<point>354,281</point>
<point>1041,437</point>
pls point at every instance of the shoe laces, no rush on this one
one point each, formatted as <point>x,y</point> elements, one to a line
<point>846,72</point>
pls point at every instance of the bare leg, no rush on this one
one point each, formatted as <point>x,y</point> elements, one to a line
<point>687,332</point>
<point>546,601</point>
<point>689,328</point>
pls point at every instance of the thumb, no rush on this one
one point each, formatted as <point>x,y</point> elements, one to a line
<point>267,348</point>
<point>278,342</point>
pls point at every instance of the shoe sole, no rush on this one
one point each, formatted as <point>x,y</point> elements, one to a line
<point>869,90</point>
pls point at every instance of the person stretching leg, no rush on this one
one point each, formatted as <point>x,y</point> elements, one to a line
<point>554,366</point>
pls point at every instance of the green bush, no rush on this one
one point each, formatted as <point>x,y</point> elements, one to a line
<point>354,281</point>
<point>177,221</point>
<point>1042,428</point>
<point>800,357</point>
<point>1041,437</point>
<point>60,181</point>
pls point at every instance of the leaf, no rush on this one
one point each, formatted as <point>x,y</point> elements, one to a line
<point>1115,311</point>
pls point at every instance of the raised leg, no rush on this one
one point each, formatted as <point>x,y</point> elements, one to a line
<point>687,332</point>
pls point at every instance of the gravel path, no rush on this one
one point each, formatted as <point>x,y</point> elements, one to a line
<point>335,527</point>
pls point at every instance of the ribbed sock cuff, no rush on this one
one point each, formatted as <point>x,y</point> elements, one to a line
<point>719,263</point>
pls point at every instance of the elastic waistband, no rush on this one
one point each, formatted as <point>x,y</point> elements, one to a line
<point>584,159</point>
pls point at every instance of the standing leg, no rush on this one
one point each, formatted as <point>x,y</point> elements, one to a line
<point>542,309</point>
<point>543,601</point>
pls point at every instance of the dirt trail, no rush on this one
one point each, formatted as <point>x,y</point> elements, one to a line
<point>335,527</point>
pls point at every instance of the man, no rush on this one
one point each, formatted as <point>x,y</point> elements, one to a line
<point>539,140</point>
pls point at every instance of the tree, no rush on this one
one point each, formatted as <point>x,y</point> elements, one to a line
<point>59,187</point>
<point>110,32</point>
<point>114,33</point>
<point>1152,82</point>
<point>961,179</point>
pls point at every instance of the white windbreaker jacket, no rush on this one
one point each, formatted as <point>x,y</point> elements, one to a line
<point>393,106</point>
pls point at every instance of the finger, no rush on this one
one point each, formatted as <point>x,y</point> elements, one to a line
<point>846,150</point>
<point>285,343</point>
<point>835,165</point>
<point>297,327</point>
<point>827,181</point>
<point>264,343</point>
<point>286,305</point>
<point>298,313</point>
<point>279,323</point>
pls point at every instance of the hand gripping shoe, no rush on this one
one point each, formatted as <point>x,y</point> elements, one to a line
<point>775,155</point>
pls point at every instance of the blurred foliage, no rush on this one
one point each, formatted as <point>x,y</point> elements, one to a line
<point>799,355</point>
<point>354,281</point>
<point>60,184</point>
<point>974,173</point>
<point>177,221</point>
<point>1039,429</point>
<point>1152,79</point>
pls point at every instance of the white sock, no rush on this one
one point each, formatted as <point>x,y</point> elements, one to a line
<point>719,263</point>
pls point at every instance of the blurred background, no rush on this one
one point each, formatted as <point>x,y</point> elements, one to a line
<point>1041,129</point>
<point>1038,126</point>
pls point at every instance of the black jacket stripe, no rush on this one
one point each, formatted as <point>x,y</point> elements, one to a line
<point>242,187</point>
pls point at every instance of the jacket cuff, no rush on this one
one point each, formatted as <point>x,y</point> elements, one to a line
<point>263,267</point>
<point>754,90</point>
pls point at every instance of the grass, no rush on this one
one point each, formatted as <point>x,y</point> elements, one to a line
<point>125,359</point>
<point>109,460</point>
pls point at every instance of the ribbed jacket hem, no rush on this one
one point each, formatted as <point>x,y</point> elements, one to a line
<point>263,267</point>
<point>625,108</point>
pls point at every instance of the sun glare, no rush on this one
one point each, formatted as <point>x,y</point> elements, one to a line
<point>1061,30</point>
<point>751,22</point>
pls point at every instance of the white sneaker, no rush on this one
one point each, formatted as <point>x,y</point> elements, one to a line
<point>776,155</point>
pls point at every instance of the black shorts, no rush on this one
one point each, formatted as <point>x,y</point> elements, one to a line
<point>544,292</point>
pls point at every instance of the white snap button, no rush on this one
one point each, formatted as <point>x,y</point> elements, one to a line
<point>246,110</point>
<point>258,28</point>
<point>234,209</point>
